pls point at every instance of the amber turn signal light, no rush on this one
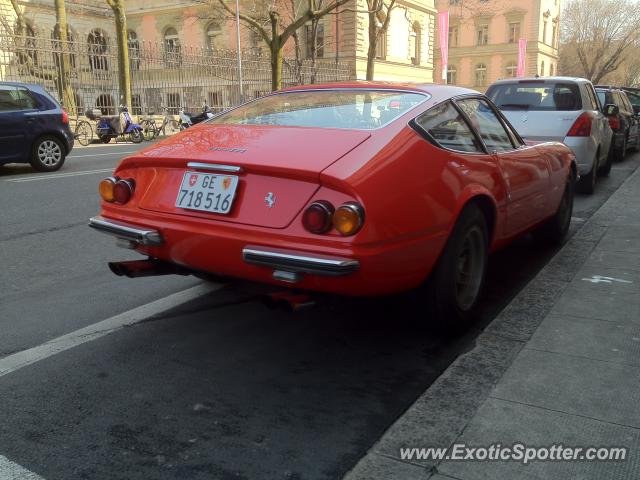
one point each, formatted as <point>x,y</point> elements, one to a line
<point>106,188</point>
<point>348,218</point>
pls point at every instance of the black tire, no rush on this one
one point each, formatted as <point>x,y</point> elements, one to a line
<point>135,136</point>
<point>105,139</point>
<point>452,293</point>
<point>47,154</point>
<point>587,183</point>
<point>619,153</point>
<point>554,230</point>
<point>605,169</point>
<point>84,133</point>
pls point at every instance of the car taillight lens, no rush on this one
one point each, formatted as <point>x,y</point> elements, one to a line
<point>318,216</point>
<point>65,117</point>
<point>115,190</point>
<point>614,123</point>
<point>122,191</point>
<point>581,127</point>
<point>348,218</point>
<point>106,188</point>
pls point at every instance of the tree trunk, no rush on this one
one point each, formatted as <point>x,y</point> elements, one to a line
<point>373,43</point>
<point>65,89</point>
<point>276,52</point>
<point>124,77</point>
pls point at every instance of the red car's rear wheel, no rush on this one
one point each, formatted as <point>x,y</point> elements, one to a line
<point>455,284</point>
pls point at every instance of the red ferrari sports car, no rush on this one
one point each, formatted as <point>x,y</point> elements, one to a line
<point>352,188</point>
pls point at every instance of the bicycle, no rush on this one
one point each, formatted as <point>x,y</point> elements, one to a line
<point>82,132</point>
<point>150,131</point>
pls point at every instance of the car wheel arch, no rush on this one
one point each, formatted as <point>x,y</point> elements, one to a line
<point>487,205</point>
<point>58,136</point>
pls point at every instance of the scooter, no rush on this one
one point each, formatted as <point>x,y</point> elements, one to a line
<point>189,119</point>
<point>120,126</point>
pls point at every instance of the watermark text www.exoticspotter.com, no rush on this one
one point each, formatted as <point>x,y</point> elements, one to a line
<point>517,452</point>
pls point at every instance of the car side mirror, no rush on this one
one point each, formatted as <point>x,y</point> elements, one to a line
<point>610,110</point>
<point>636,109</point>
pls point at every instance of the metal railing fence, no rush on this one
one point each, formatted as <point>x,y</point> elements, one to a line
<point>163,76</point>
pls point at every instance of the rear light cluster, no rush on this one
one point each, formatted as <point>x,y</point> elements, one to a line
<point>117,190</point>
<point>65,117</point>
<point>321,215</point>
<point>614,123</point>
<point>581,127</point>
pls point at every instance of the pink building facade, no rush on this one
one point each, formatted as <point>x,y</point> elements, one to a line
<point>484,34</point>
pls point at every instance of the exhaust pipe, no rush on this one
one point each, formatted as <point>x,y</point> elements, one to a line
<point>145,268</point>
<point>289,301</point>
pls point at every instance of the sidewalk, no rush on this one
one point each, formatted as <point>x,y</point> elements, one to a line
<point>560,365</point>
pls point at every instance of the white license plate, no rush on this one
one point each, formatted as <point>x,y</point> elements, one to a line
<point>207,192</point>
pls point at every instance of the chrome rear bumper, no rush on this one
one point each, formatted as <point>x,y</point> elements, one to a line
<point>141,235</point>
<point>299,262</point>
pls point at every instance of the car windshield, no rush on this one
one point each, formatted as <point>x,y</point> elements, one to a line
<point>354,109</point>
<point>547,96</point>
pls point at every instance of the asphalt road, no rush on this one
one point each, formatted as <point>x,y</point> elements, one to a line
<point>218,387</point>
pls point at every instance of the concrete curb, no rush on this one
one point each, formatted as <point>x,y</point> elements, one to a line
<point>443,411</point>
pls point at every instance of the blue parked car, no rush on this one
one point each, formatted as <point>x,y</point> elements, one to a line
<point>33,127</point>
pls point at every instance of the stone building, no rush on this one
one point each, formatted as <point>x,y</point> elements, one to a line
<point>484,34</point>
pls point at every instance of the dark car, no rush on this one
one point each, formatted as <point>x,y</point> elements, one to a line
<point>633,94</point>
<point>33,127</point>
<point>624,123</point>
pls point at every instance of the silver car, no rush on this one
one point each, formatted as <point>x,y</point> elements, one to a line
<point>559,109</point>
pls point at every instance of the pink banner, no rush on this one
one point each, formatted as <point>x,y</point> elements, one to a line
<point>522,57</point>
<point>443,33</point>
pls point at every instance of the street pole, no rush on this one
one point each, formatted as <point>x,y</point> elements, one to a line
<point>238,48</point>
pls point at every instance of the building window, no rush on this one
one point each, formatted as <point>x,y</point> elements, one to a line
<point>215,101</point>
<point>511,69</point>
<point>414,41</point>
<point>514,32</point>
<point>255,42</point>
<point>452,75</point>
<point>554,34</point>
<point>481,75</point>
<point>172,49</point>
<point>542,69</point>
<point>381,47</point>
<point>214,30</point>
<point>136,104</point>
<point>551,70</point>
<point>97,50</point>
<point>134,50</point>
<point>483,35</point>
<point>453,36</point>
<point>105,103</point>
<point>173,103</point>
<point>544,30</point>
<point>311,43</point>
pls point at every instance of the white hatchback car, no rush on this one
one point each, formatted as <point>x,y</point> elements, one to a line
<point>559,109</point>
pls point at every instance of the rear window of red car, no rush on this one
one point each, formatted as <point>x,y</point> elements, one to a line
<point>354,109</point>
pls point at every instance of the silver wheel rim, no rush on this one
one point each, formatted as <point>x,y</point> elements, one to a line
<point>470,268</point>
<point>49,153</point>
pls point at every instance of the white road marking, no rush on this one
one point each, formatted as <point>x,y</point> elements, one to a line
<point>19,360</point>
<point>53,176</point>
<point>13,471</point>
<point>601,279</point>
<point>99,154</point>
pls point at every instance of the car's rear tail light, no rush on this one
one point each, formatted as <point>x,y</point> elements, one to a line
<point>317,218</point>
<point>614,123</point>
<point>106,188</point>
<point>348,218</point>
<point>581,127</point>
<point>123,190</point>
<point>65,117</point>
<point>115,190</point>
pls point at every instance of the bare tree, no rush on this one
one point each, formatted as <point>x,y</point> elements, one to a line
<point>124,74</point>
<point>276,29</point>
<point>62,32</point>
<point>379,13</point>
<point>597,35</point>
